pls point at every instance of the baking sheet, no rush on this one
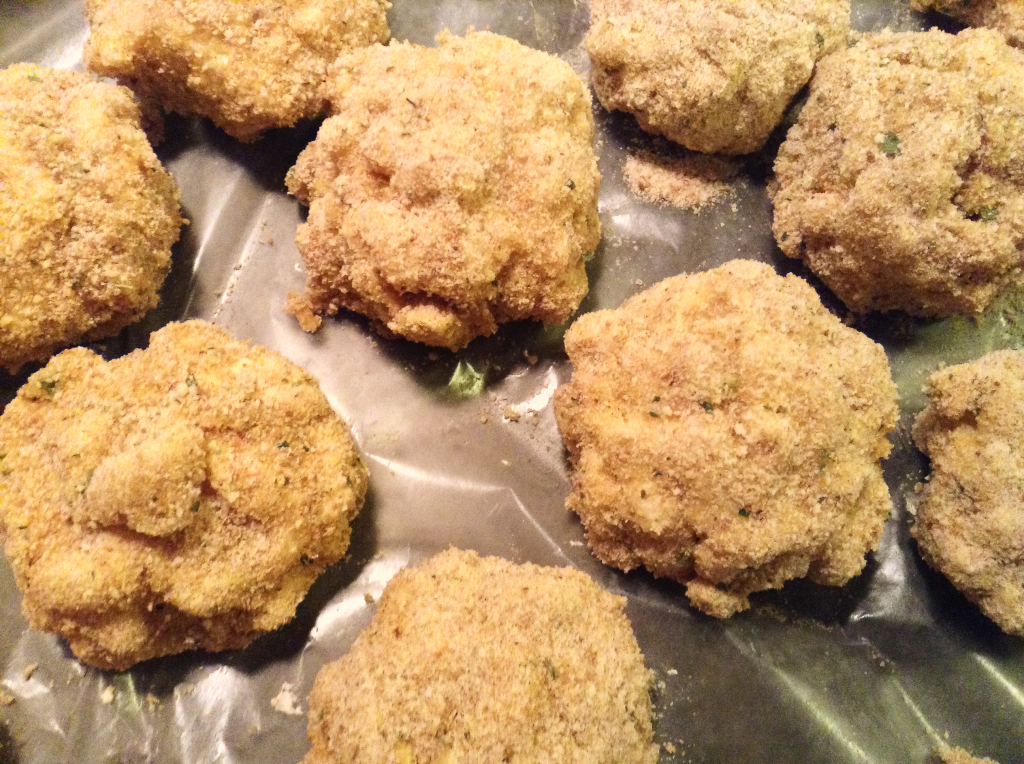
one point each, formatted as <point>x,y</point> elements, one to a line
<point>882,670</point>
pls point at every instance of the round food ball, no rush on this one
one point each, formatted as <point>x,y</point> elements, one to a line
<point>970,517</point>
<point>248,66</point>
<point>454,188</point>
<point>473,659</point>
<point>724,431</point>
<point>1006,16</point>
<point>87,213</point>
<point>902,183</point>
<point>184,496</point>
<point>713,75</point>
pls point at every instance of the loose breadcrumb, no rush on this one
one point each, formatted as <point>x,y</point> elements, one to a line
<point>713,75</point>
<point>690,182</point>
<point>248,66</point>
<point>902,183</point>
<point>455,188</point>
<point>970,521</point>
<point>479,659</point>
<point>87,213</point>
<point>725,431</point>
<point>1006,16</point>
<point>184,496</point>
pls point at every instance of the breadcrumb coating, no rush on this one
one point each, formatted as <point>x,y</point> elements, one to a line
<point>724,431</point>
<point>184,496</point>
<point>947,755</point>
<point>970,517</point>
<point>455,188</point>
<point>1006,16</point>
<point>473,659</point>
<point>713,75</point>
<point>902,183</point>
<point>248,66</point>
<point>87,213</point>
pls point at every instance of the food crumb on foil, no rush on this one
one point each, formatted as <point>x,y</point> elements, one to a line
<point>108,696</point>
<point>29,670</point>
<point>689,182</point>
<point>6,699</point>
<point>285,702</point>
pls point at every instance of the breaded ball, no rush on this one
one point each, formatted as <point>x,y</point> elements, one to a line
<point>902,183</point>
<point>1006,16</point>
<point>473,659</point>
<point>970,517</point>
<point>248,66</point>
<point>184,496</point>
<point>87,213</point>
<point>947,755</point>
<point>713,75</point>
<point>724,431</point>
<point>454,188</point>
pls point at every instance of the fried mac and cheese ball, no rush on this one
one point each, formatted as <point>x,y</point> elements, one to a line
<point>713,75</point>
<point>184,496</point>
<point>724,431</point>
<point>1006,16</point>
<point>970,517</point>
<point>902,183</point>
<point>454,188</point>
<point>87,213</point>
<point>248,66</point>
<point>472,659</point>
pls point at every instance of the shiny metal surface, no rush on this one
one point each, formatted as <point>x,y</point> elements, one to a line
<point>882,670</point>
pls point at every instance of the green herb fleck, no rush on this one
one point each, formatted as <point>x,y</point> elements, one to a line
<point>194,507</point>
<point>824,458</point>
<point>283,444</point>
<point>819,39</point>
<point>466,382</point>
<point>34,78</point>
<point>722,587</point>
<point>744,513</point>
<point>657,398</point>
<point>190,380</point>
<point>708,406</point>
<point>570,185</point>
<point>684,557</point>
<point>653,414</point>
<point>49,386</point>
<point>988,213</point>
<point>890,145</point>
<point>305,559</point>
<point>552,671</point>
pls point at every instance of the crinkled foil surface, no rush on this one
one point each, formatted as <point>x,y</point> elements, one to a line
<point>882,670</point>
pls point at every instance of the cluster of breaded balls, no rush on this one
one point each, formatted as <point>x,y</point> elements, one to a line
<point>713,75</point>
<point>87,213</point>
<point>452,189</point>
<point>1007,16</point>
<point>725,430</point>
<point>479,659</point>
<point>969,523</point>
<point>902,183</point>
<point>248,66</point>
<point>185,496</point>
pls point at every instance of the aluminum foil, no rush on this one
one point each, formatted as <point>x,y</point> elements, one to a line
<point>882,670</point>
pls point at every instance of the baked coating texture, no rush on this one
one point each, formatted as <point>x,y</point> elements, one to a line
<point>87,213</point>
<point>248,66</point>
<point>713,75</point>
<point>453,189</point>
<point>479,659</point>
<point>1006,16</point>
<point>724,431</point>
<point>902,183</point>
<point>970,516</point>
<point>185,496</point>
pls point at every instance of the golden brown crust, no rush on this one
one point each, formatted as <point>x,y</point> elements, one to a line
<point>713,75</point>
<point>725,431</point>
<point>970,521</point>
<point>902,183</point>
<point>247,66</point>
<point>181,497</point>
<point>87,213</point>
<point>454,188</point>
<point>479,659</point>
<point>1006,16</point>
